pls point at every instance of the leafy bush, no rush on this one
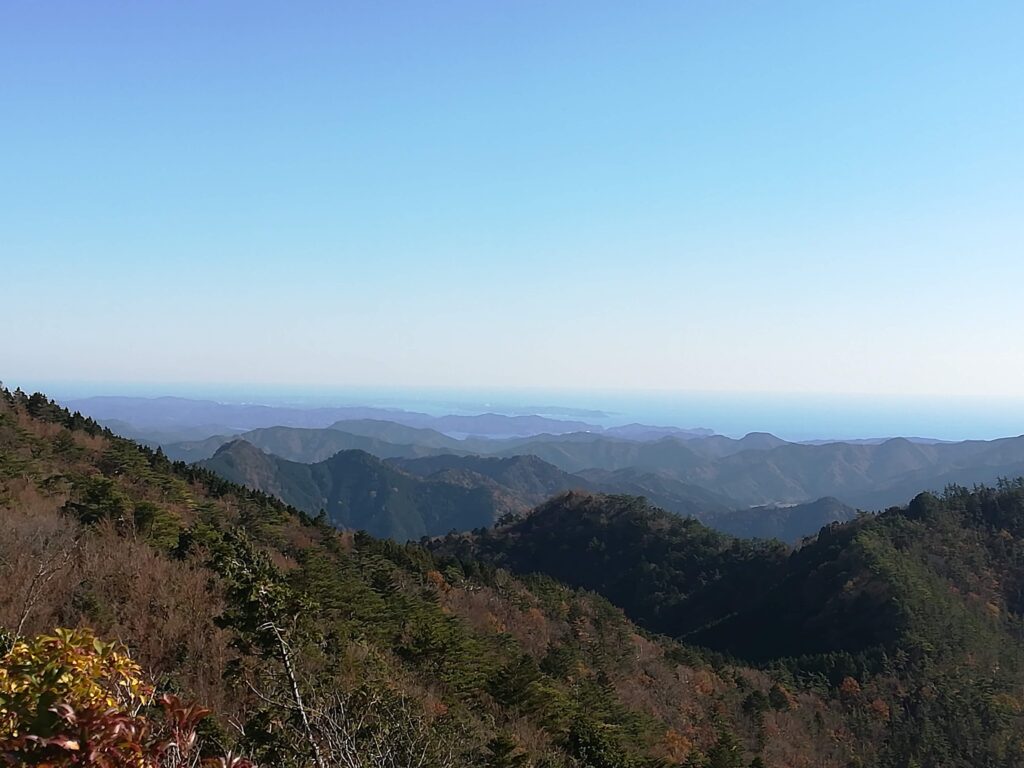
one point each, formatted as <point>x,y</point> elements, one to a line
<point>71,699</point>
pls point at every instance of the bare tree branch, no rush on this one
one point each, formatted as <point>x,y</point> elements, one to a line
<point>45,573</point>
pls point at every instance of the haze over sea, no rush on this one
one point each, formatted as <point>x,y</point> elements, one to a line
<point>790,416</point>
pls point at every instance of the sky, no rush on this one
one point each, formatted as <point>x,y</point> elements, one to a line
<point>773,197</point>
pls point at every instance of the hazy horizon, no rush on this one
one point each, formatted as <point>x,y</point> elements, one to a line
<point>792,416</point>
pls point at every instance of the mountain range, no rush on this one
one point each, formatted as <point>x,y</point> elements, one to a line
<point>592,630</point>
<point>407,498</point>
<point>446,664</point>
<point>358,491</point>
<point>171,414</point>
<point>755,485</point>
<point>756,470</point>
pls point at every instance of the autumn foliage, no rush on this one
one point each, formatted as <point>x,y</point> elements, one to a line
<point>71,699</point>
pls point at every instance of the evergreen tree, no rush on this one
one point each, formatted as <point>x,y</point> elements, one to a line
<point>503,752</point>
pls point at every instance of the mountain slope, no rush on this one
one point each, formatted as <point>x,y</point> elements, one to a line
<point>528,478</point>
<point>574,455</point>
<point>661,489</point>
<point>916,613</point>
<point>660,567</point>
<point>394,433</point>
<point>303,445</point>
<point>757,470</point>
<point>786,523</point>
<point>636,431</point>
<point>470,665</point>
<point>358,491</point>
<point>883,475</point>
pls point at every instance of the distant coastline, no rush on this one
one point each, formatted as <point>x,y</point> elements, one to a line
<point>795,417</point>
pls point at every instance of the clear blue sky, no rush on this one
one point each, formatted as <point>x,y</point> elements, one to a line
<point>771,196</point>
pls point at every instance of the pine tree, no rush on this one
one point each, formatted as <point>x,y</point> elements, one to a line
<point>503,752</point>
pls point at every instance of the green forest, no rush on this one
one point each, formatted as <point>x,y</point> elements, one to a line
<point>156,614</point>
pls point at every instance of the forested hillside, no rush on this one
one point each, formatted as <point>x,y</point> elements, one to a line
<point>408,495</point>
<point>789,523</point>
<point>358,491</point>
<point>528,478</point>
<point>917,611</point>
<point>316,647</point>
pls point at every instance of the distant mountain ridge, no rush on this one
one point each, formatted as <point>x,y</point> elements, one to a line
<point>760,469</point>
<point>647,432</point>
<point>360,492</point>
<point>756,470</point>
<point>529,478</point>
<point>395,505</point>
<point>685,471</point>
<point>306,446</point>
<point>663,490</point>
<point>169,414</point>
<point>788,523</point>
